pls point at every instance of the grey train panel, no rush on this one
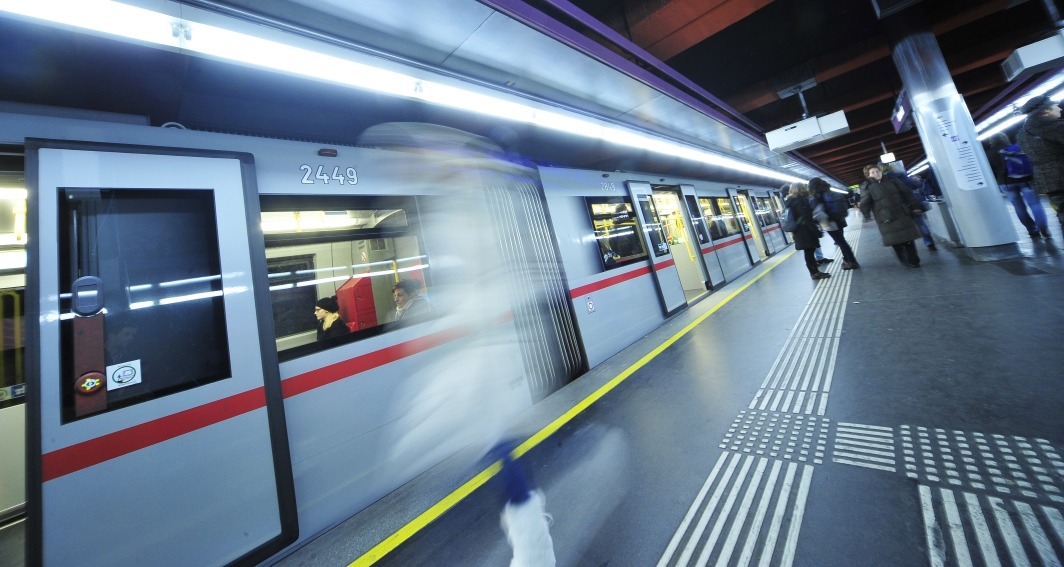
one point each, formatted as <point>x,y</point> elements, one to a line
<point>623,314</point>
<point>166,492</point>
<point>541,307</point>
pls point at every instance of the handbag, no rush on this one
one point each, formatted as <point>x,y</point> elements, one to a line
<point>789,223</point>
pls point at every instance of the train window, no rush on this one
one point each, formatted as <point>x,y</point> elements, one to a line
<point>655,231</point>
<point>616,231</point>
<point>765,214</point>
<point>333,263</point>
<point>698,222</point>
<point>160,324</point>
<point>720,217</point>
<point>12,296</point>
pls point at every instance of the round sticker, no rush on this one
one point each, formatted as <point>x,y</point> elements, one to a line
<point>123,375</point>
<point>89,383</point>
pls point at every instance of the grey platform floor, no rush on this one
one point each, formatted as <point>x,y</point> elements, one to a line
<point>891,416</point>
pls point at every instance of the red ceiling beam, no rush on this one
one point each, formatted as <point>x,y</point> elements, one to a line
<point>680,24</point>
<point>855,57</point>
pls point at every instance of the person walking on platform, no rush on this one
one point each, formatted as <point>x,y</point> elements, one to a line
<point>806,232</point>
<point>821,194</point>
<point>818,254</point>
<point>1013,171</point>
<point>1042,139</point>
<point>921,220</point>
<point>893,206</point>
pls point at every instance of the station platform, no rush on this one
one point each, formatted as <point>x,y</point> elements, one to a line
<point>885,416</point>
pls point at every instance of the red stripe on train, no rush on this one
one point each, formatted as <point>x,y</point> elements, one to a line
<point>113,445</point>
<point>83,455</point>
<point>603,284</point>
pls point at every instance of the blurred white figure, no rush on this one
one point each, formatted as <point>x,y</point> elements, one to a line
<point>464,397</point>
<point>527,527</point>
<point>524,517</point>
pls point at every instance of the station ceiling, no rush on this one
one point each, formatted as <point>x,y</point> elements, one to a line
<point>744,51</point>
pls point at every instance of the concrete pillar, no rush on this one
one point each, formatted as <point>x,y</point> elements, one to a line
<point>948,133</point>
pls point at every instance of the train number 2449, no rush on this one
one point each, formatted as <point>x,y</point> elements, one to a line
<point>310,177</point>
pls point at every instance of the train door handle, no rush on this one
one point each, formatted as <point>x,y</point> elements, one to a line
<point>86,302</point>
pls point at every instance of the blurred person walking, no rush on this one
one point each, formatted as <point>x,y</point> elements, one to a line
<point>821,194</point>
<point>1013,171</point>
<point>893,205</point>
<point>806,233</point>
<point>1042,139</point>
<point>921,220</point>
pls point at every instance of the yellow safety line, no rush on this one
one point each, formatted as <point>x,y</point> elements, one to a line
<point>425,518</point>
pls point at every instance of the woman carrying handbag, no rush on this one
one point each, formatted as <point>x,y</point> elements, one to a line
<point>806,233</point>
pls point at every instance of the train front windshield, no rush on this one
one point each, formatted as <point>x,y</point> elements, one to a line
<point>334,265</point>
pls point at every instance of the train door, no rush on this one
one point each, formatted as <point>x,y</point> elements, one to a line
<point>727,235</point>
<point>755,242</point>
<point>12,355</point>
<point>661,258</point>
<point>777,205</point>
<point>684,245</point>
<point>701,228</point>
<point>157,432</point>
<point>769,222</point>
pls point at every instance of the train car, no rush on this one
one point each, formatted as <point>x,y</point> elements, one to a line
<point>636,250</point>
<point>242,341</point>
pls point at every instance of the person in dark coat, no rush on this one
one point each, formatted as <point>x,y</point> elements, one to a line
<point>1042,139</point>
<point>330,325</point>
<point>921,220</point>
<point>410,307</point>
<point>893,205</point>
<point>818,253</point>
<point>807,234</point>
<point>1017,189</point>
<point>822,194</point>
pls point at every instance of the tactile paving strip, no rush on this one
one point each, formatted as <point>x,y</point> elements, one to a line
<point>779,435</point>
<point>997,463</point>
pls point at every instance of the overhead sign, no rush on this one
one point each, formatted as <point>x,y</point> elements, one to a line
<point>902,117</point>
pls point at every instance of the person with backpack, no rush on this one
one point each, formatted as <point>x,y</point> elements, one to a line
<point>821,194</point>
<point>818,254</point>
<point>1042,138</point>
<point>798,220</point>
<point>1013,172</point>
<point>920,221</point>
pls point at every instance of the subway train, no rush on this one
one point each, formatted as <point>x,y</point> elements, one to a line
<point>185,400</point>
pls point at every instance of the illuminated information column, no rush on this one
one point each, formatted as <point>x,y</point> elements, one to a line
<point>963,163</point>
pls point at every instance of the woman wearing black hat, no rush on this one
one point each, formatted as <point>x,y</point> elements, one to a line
<point>330,325</point>
<point>1042,139</point>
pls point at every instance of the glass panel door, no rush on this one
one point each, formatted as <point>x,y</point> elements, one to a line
<point>154,363</point>
<point>661,259</point>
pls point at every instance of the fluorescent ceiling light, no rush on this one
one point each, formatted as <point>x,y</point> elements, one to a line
<point>12,194</point>
<point>159,29</point>
<point>1001,126</point>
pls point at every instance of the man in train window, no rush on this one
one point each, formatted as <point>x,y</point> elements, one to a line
<point>410,306</point>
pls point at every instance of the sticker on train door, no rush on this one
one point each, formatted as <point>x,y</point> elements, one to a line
<point>123,374</point>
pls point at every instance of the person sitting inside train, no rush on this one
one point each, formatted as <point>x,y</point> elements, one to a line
<point>410,306</point>
<point>330,325</point>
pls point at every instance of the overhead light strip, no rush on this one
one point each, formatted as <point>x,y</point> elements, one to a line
<point>142,25</point>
